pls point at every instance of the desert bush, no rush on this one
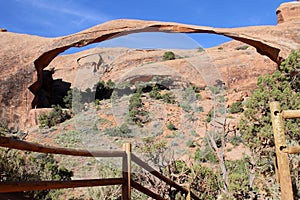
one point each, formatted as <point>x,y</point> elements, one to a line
<point>186,106</point>
<point>244,47</point>
<point>204,181</point>
<point>56,116</point>
<point>235,140</point>
<point>122,131</point>
<point>3,127</point>
<point>168,97</point>
<point>236,107</point>
<point>169,55</point>
<point>199,109</point>
<point>107,192</point>
<point>209,116</point>
<point>136,112</point>
<point>155,93</point>
<point>200,49</point>
<point>190,143</point>
<point>104,89</point>
<point>73,100</point>
<point>19,166</point>
<point>205,155</point>
<point>171,126</point>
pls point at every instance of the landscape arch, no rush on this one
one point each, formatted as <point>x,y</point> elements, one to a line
<point>265,44</point>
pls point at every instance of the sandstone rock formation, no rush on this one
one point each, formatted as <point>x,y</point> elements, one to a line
<point>288,12</point>
<point>22,55</point>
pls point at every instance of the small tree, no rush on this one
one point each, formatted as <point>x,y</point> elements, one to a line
<point>169,55</point>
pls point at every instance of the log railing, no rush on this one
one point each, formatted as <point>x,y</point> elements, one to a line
<point>282,150</point>
<point>126,182</point>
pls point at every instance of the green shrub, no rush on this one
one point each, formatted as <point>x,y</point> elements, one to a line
<point>205,155</point>
<point>236,107</point>
<point>186,106</point>
<point>235,140</point>
<point>169,55</point>
<point>73,100</point>
<point>69,139</point>
<point>200,49</point>
<point>107,192</point>
<point>104,90</point>
<point>238,178</point>
<point>136,112</point>
<point>155,93</point>
<point>190,143</point>
<point>122,131</point>
<point>19,166</point>
<point>168,97</point>
<point>199,109</point>
<point>242,47</point>
<point>209,116</point>
<point>135,101</point>
<point>198,97</point>
<point>56,116</point>
<point>3,127</point>
<point>171,126</point>
<point>256,126</point>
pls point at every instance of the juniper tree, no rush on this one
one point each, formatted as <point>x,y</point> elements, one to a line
<point>256,127</point>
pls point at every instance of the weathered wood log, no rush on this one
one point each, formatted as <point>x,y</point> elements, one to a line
<point>292,150</point>
<point>146,191</point>
<point>47,185</point>
<point>28,146</point>
<point>155,173</point>
<point>291,114</point>
<point>282,158</point>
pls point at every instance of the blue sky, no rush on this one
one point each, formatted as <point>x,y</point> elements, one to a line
<point>52,18</point>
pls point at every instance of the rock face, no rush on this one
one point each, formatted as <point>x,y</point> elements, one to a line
<point>23,57</point>
<point>237,68</point>
<point>288,12</point>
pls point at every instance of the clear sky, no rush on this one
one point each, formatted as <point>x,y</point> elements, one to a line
<point>52,18</point>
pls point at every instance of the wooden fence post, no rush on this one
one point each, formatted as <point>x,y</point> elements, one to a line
<point>126,171</point>
<point>282,158</point>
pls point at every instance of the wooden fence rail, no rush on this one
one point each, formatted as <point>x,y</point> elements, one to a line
<point>13,186</point>
<point>155,173</point>
<point>125,180</point>
<point>28,146</point>
<point>282,150</point>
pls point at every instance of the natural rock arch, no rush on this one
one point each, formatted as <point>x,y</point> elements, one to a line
<point>22,54</point>
<point>268,40</point>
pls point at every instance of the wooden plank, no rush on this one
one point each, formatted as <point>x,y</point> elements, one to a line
<point>291,114</point>
<point>126,172</point>
<point>155,173</point>
<point>292,150</point>
<point>282,158</point>
<point>146,191</point>
<point>48,185</point>
<point>28,146</point>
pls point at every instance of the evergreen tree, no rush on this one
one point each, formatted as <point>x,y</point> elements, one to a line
<point>256,126</point>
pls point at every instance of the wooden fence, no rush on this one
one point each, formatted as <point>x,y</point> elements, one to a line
<point>282,150</point>
<point>127,183</point>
